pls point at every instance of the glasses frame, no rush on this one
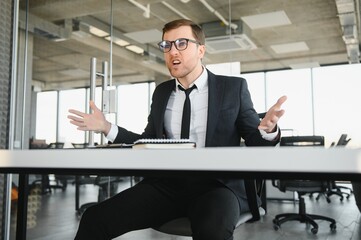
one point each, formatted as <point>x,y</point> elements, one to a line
<point>175,43</point>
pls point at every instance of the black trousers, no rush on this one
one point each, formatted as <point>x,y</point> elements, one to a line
<point>212,208</point>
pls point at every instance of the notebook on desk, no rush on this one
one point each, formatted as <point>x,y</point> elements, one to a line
<point>163,144</point>
<point>153,144</point>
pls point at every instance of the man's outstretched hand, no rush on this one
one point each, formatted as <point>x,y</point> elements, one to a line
<point>94,121</point>
<point>269,122</point>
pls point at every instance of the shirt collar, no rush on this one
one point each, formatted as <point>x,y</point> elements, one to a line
<point>201,82</point>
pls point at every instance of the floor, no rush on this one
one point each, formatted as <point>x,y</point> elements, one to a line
<point>53,216</point>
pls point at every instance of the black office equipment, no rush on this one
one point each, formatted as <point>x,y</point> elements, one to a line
<point>342,141</point>
<point>302,187</point>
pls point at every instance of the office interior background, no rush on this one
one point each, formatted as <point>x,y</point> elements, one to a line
<point>307,50</point>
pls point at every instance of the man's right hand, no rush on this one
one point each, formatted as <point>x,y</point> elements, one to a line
<point>94,121</point>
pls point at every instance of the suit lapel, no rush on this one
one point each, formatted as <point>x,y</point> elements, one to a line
<point>162,105</point>
<point>215,97</point>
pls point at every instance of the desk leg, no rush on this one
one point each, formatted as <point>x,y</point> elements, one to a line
<point>22,212</point>
<point>76,193</point>
<point>264,196</point>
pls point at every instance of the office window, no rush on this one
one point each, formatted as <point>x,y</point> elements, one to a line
<point>296,85</point>
<point>337,102</point>
<point>256,86</point>
<point>70,99</point>
<point>133,105</point>
<point>46,114</point>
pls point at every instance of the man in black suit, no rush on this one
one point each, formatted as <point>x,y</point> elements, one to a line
<point>221,113</point>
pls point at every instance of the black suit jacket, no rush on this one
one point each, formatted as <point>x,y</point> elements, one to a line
<point>230,116</point>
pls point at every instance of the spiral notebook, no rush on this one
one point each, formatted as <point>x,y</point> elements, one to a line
<point>164,144</point>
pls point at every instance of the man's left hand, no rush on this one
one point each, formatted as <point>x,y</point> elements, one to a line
<point>269,122</point>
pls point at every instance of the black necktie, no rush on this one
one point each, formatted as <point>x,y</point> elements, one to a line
<point>186,117</point>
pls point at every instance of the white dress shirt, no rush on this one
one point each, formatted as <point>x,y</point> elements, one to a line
<point>199,110</point>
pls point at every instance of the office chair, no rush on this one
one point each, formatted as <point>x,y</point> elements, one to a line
<point>181,226</point>
<point>356,186</point>
<point>61,181</point>
<point>342,142</point>
<point>333,188</point>
<point>107,187</point>
<point>302,187</point>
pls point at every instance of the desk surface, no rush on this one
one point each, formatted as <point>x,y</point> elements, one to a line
<point>248,161</point>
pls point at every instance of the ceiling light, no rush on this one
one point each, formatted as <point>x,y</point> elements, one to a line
<point>98,32</point>
<point>264,20</point>
<point>135,49</point>
<point>305,65</point>
<point>118,41</point>
<point>146,36</point>
<point>290,47</point>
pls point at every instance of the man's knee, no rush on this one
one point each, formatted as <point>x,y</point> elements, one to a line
<point>91,218</point>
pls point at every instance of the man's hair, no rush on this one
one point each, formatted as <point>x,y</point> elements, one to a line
<point>197,31</point>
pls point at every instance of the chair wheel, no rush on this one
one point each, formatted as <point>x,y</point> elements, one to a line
<point>314,230</point>
<point>333,227</point>
<point>276,226</point>
<point>341,199</point>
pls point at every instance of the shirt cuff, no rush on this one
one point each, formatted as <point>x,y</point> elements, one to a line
<point>113,132</point>
<point>269,136</point>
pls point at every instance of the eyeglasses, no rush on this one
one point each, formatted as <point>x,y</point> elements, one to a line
<point>180,44</point>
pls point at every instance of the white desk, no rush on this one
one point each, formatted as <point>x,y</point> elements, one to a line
<point>251,162</point>
<point>263,162</point>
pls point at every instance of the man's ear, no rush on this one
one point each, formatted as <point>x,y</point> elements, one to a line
<point>201,51</point>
